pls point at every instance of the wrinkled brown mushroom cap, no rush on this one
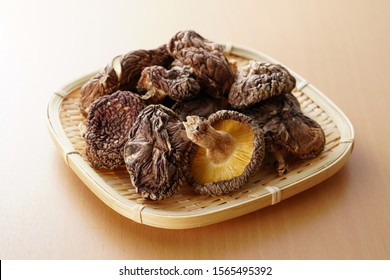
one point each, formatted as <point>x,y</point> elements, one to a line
<point>103,83</point>
<point>122,73</point>
<point>263,111</point>
<point>156,152</point>
<point>207,58</point>
<point>286,128</point>
<point>223,163</point>
<point>259,81</point>
<point>177,83</point>
<point>107,126</point>
<point>203,106</point>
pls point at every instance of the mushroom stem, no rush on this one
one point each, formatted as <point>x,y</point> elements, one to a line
<point>280,162</point>
<point>219,145</point>
<point>153,96</point>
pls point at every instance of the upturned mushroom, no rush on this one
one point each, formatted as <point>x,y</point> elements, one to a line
<point>207,58</point>
<point>156,153</point>
<point>122,73</point>
<point>107,126</point>
<point>287,131</point>
<point>229,149</point>
<point>158,83</point>
<point>259,81</point>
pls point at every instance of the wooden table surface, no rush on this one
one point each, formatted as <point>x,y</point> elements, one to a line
<point>341,47</point>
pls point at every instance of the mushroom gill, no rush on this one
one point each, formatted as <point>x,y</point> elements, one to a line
<point>229,149</point>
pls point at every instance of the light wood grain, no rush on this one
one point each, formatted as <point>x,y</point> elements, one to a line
<point>341,47</point>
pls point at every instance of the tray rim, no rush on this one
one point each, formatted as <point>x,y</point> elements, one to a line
<point>197,218</point>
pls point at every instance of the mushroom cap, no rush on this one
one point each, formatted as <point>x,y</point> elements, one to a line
<point>259,81</point>
<point>190,38</point>
<point>286,127</point>
<point>265,110</point>
<point>156,152</point>
<point>134,62</point>
<point>202,106</point>
<point>103,83</point>
<point>122,73</point>
<point>207,58</point>
<point>246,157</point>
<point>177,83</point>
<point>108,124</point>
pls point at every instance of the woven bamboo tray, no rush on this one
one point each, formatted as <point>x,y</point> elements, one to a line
<point>188,209</point>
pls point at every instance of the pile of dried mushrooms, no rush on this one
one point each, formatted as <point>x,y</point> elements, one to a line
<point>183,114</point>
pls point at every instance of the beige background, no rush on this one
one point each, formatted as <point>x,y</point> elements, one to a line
<point>341,47</point>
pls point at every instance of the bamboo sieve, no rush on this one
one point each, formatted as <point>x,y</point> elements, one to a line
<point>188,209</point>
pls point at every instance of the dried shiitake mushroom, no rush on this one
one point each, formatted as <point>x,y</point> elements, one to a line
<point>207,58</point>
<point>259,81</point>
<point>108,124</point>
<point>202,106</point>
<point>287,129</point>
<point>158,82</point>
<point>229,149</point>
<point>121,73</point>
<point>156,152</point>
